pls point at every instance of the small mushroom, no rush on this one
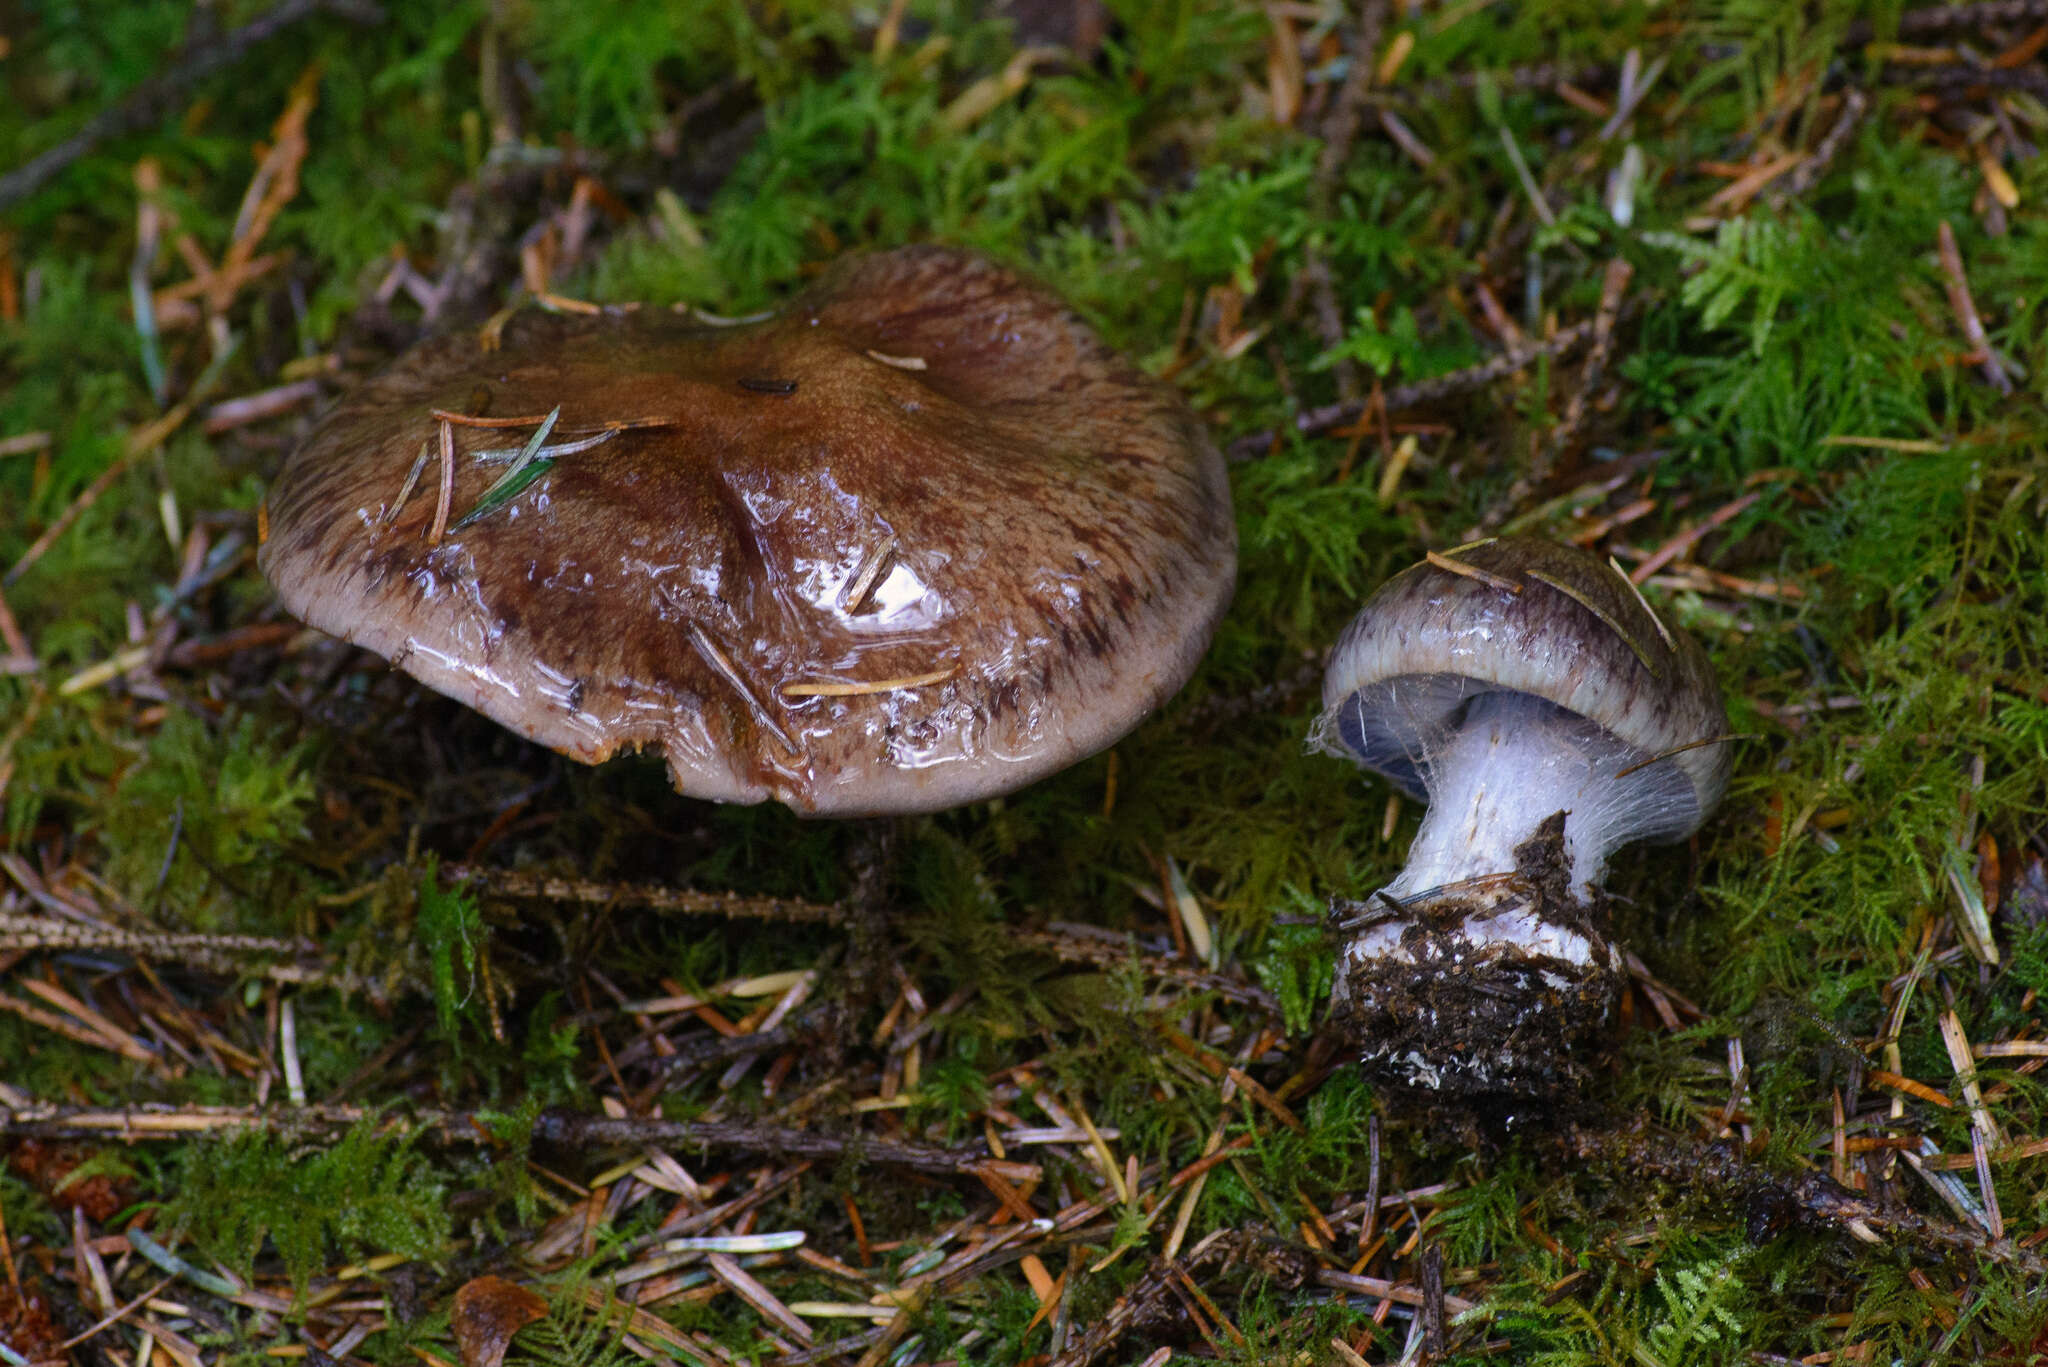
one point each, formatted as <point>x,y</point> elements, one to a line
<point>917,538</point>
<point>1533,699</point>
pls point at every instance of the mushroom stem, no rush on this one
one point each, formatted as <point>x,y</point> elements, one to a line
<point>1510,761</point>
<point>1496,928</point>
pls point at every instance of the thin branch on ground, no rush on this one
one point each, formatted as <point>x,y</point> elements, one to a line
<point>1112,952</point>
<point>1772,1199</point>
<point>653,897</point>
<point>1318,420</point>
<point>290,961</point>
<point>140,1123</point>
<point>151,100</point>
<point>1538,472</point>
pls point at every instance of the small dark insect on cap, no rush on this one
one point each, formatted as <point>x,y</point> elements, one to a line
<point>916,539</point>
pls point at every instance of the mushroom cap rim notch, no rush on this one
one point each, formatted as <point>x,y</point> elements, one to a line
<point>916,539</point>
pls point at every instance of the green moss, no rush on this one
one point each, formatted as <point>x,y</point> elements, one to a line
<point>363,1195</point>
<point>199,821</point>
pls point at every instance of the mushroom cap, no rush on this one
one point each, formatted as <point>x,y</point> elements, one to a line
<point>1576,634</point>
<point>917,538</point>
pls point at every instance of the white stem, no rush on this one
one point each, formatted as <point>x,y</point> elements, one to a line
<point>1512,764</point>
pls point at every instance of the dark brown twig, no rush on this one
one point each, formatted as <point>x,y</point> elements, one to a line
<point>1440,387</point>
<point>562,1127</point>
<point>1340,131</point>
<point>688,901</point>
<point>1114,953</point>
<point>1433,1336</point>
<point>1532,479</point>
<point>148,102</point>
<point>1920,23</point>
<point>279,960</point>
<point>139,1123</point>
<point>1806,175</point>
<point>1965,307</point>
<point>1810,1198</point>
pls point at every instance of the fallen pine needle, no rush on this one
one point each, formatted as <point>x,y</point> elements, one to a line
<point>1911,1088</point>
<point>850,690</point>
<point>447,493</point>
<point>1912,445</point>
<point>1487,577</point>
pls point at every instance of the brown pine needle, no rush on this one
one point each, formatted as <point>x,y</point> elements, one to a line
<point>852,690</point>
<point>141,442</point>
<point>1655,620</point>
<point>470,420</point>
<point>1681,749</point>
<point>412,479</point>
<point>1911,1088</point>
<point>11,634</point>
<point>1487,577</point>
<point>724,668</point>
<point>1686,540</point>
<point>1642,655</point>
<point>447,492</point>
<point>561,303</point>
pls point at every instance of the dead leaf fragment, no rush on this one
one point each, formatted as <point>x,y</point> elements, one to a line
<point>488,1312</point>
<point>25,1324</point>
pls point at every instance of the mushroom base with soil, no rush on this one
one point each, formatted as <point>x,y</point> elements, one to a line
<point>1482,988</point>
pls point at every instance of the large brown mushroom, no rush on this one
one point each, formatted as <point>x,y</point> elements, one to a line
<point>915,539</point>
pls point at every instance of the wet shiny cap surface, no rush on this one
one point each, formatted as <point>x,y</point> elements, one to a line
<point>916,539</point>
<point>1530,616</point>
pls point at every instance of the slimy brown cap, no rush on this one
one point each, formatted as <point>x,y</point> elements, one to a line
<point>916,539</point>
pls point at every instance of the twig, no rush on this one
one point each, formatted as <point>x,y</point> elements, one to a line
<point>1340,130</point>
<point>147,102</point>
<point>1433,1307</point>
<point>1808,173</point>
<point>1812,1198</point>
<point>1316,420</point>
<point>1965,307</point>
<point>11,636</point>
<point>267,403</point>
<point>1920,23</point>
<point>1532,479</point>
<point>689,901</point>
<point>561,1127</point>
<point>139,1123</point>
<point>1963,78</point>
<point>225,954</point>
<point>1112,953</point>
<point>1340,125</point>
